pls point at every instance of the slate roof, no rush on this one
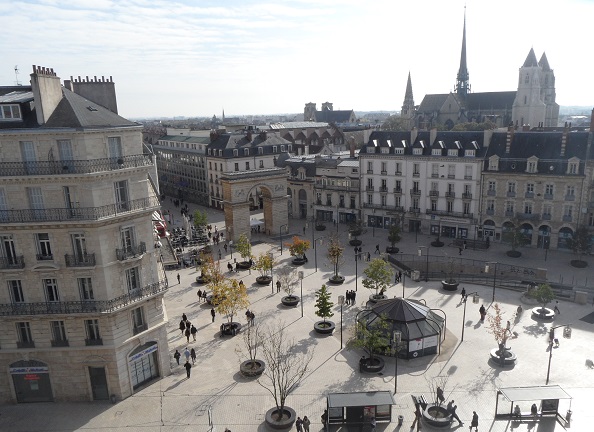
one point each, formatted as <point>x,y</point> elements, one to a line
<point>544,63</point>
<point>530,59</point>
<point>340,116</point>
<point>185,139</point>
<point>490,100</point>
<point>432,102</point>
<point>16,97</point>
<point>230,141</point>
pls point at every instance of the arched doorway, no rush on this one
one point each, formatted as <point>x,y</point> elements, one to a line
<point>526,230</point>
<point>302,204</point>
<point>31,381</point>
<point>507,232</point>
<point>565,234</point>
<point>489,230</point>
<point>544,237</point>
<point>290,202</point>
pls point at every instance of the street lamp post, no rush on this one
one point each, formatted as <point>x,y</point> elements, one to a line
<point>373,222</point>
<point>231,248</point>
<point>396,347</point>
<point>271,255</point>
<point>420,253</point>
<point>316,250</point>
<point>280,233</point>
<point>475,299</point>
<point>357,255</point>
<point>487,268</point>
<point>301,301</point>
<point>566,335</point>
<point>340,302</point>
<point>337,219</point>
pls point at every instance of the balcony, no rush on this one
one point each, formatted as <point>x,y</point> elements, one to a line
<point>383,207</point>
<point>450,194</point>
<point>528,216</point>
<point>491,192</point>
<point>383,189</point>
<point>467,177</point>
<point>461,215</point>
<point>25,344</point>
<point>131,252</point>
<point>509,213</point>
<point>16,262</point>
<point>45,257</point>
<point>397,190</point>
<point>92,307</point>
<point>80,213</point>
<point>529,195</point>
<point>548,196</point>
<point>451,176</point>
<point>567,218</point>
<point>370,171</point>
<point>546,216</point>
<point>511,194</point>
<point>569,197</point>
<point>434,175</point>
<point>398,173</point>
<point>416,192</point>
<point>490,212</point>
<point>434,193</point>
<point>86,260</point>
<point>139,328</point>
<point>369,188</point>
<point>14,169</point>
<point>416,174</point>
<point>466,195</point>
<point>60,343</point>
<point>93,342</point>
<point>414,210</point>
<point>384,173</point>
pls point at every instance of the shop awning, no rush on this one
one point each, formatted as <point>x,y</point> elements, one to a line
<point>336,400</point>
<point>518,394</point>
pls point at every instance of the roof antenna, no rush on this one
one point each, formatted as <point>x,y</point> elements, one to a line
<point>16,75</point>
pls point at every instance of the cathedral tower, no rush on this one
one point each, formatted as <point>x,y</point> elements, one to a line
<point>462,80</point>
<point>528,107</point>
<point>408,106</point>
<point>547,92</point>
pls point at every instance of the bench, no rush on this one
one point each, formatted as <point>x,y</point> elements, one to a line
<point>423,401</point>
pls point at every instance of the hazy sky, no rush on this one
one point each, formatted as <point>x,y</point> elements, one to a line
<point>196,57</point>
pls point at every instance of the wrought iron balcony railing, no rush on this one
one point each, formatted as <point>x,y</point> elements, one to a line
<point>25,344</point>
<point>449,213</point>
<point>10,169</point>
<point>131,252</point>
<point>60,343</point>
<point>93,342</point>
<point>85,260</point>
<point>92,307</point>
<point>78,214</point>
<point>16,262</point>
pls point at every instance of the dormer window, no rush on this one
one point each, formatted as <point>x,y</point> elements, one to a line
<point>385,150</point>
<point>453,152</point>
<point>436,152</point>
<point>494,164</point>
<point>274,149</point>
<point>260,150</point>
<point>10,112</point>
<point>417,151</point>
<point>399,151</point>
<point>246,152</point>
<point>572,167</point>
<point>470,153</point>
<point>220,153</point>
<point>235,152</point>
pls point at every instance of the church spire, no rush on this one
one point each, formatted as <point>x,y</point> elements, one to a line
<point>462,84</point>
<point>408,95</point>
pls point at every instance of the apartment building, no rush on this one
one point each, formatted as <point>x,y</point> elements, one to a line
<point>81,286</point>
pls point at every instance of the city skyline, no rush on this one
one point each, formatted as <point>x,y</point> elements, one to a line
<point>196,59</point>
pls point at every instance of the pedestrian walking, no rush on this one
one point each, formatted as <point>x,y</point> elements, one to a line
<point>368,256</point>
<point>377,249</point>
<point>193,331</point>
<point>299,424</point>
<point>278,286</point>
<point>306,424</point>
<point>474,423</point>
<point>460,251</point>
<point>353,297</point>
<point>399,276</point>
<point>212,314</point>
<point>182,326</point>
<point>483,312</point>
<point>440,396</point>
<point>451,409</point>
<point>347,298</point>
<point>184,317</point>
<point>188,367</point>
<point>176,356</point>
<point>188,324</point>
<point>219,254</point>
<point>225,246</point>
<point>463,293</point>
<point>193,355</point>
<point>178,279</point>
<point>187,335</point>
<point>557,311</point>
<point>199,296</point>
<point>187,354</point>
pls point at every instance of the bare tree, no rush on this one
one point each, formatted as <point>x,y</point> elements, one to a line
<point>288,279</point>
<point>285,366</point>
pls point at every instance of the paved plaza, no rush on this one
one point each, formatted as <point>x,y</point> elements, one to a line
<point>218,392</point>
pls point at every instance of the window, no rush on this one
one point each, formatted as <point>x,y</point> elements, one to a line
<point>235,152</point>
<point>282,148</point>
<point>434,186</point>
<point>59,337</point>
<point>491,205</point>
<point>470,153</point>
<point>114,145</point>
<point>399,150</point>
<point>246,152</point>
<point>138,322</point>
<point>220,153</point>
<point>467,189</point>
<point>453,152</point>
<point>383,200</point>
<point>260,150</point>
<point>384,184</point>
<point>85,289</point>
<point>384,167</point>
<point>261,164</point>
<point>570,191</point>
<point>450,206</point>
<point>511,187</point>
<point>451,188</point>
<point>8,250</point>
<point>492,185</point>
<point>451,171</point>
<point>3,206</point>
<point>567,211</point>
<point>436,152</point>
<point>549,189</point>
<point>341,200</point>
<point>353,203</point>
<point>415,203</point>
<point>247,166</point>
<point>416,169</point>
<point>416,186</point>
<point>572,168</point>
<point>10,112</point>
<point>121,195</point>
<point>35,196</point>
<point>93,336</point>
<point>466,208</point>
<point>435,170</point>
<point>132,279</point>
<point>16,291</point>
<point>50,287</point>
<point>509,206</point>
<point>531,167</point>
<point>328,199</point>
<point>527,208</point>
<point>369,167</point>
<point>44,249</point>
<point>493,164</point>
<point>236,167</point>
<point>370,199</point>
<point>65,151</point>
<point>274,149</point>
<point>530,188</point>
<point>398,186</point>
<point>418,151</point>
<point>468,172</point>
<point>128,239</point>
<point>25,339</point>
<point>397,201</point>
<point>369,183</point>
<point>433,205</point>
<point>546,210</point>
<point>385,150</point>
<point>398,168</point>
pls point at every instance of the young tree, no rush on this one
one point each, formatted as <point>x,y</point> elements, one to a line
<point>378,276</point>
<point>252,340</point>
<point>515,236</point>
<point>500,331</point>
<point>230,297</point>
<point>286,365</point>
<point>323,303</point>
<point>264,264</point>
<point>544,295</point>
<point>437,388</point>
<point>580,242</point>
<point>394,234</point>
<point>335,251</point>
<point>210,270</point>
<point>372,338</point>
<point>298,247</point>
<point>244,247</point>
<point>200,219</point>
<point>288,279</point>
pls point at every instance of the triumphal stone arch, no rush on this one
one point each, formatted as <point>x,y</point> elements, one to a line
<point>239,186</point>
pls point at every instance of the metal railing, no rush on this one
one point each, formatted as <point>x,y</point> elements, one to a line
<point>16,262</point>
<point>10,169</point>
<point>93,342</point>
<point>100,306</point>
<point>449,213</point>
<point>86,260</point>
<point>131,251</point>
<point>80,213</point>
<point>60,343</point>
<point>25,344</point>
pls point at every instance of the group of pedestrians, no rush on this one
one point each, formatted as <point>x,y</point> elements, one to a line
<point>201,295</point>
<point>302,425</point>
<point>250,317</point>
<point>187,328</point>
<point>188,354</point>
<point>350,297</point>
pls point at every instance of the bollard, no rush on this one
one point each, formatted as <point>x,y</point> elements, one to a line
<point>400,420</point>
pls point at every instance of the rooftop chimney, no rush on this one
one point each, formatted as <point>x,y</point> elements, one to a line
<point>47,92</point>
<point>100,91</point>
<point>564,139</point>
<point>414,132</point>
<point>509,138</point>
<point>432,136</point>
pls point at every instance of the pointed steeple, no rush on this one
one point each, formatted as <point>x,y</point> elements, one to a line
<point>462,84</point>
<point>408,94</point>
<point>544,63</point>
<point>408,106</point>
<point>531,59</point>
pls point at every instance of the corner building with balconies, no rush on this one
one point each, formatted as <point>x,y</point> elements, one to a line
<point>81,284</point>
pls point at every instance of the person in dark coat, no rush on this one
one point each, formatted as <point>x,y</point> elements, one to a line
<point>278,286</point>
<point>193,355</point>
<point>176,356</point>
<point>452,411</point>
<point>188,367</point>
<point>193,331</point>
<point>187,335</point>
<point>178,279</point>
<point>474,423</point>
<point>184,317</point>
<point>212,314</point>
<point>182,327</point>
<point>199,295</point>
<point>463,293</point>
<point>483,313</point>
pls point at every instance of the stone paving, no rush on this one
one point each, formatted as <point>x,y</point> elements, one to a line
<point>217,391</point>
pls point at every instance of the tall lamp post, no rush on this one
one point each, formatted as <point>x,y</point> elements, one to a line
<point>357,255</point>
<point>271,255</point>
<point>280,233</point>
<point>300,274</point>
<point>566,335</point>
<point>420,253</point>
<point>396,347</point>
<point>373,220</point>
<point>475,299</point>
<point>487,268</point>
<point>321,239</point>
<point>231,248</point>
<point>340,302</point>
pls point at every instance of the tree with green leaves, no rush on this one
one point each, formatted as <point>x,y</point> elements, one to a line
<point>323,303</point>
<point>378,276</point>
<point>543,294</point>
<point>515,235</point>
<point>298,246</point>
<point>200,219</point>
<point>334,255</point>
<point>395,123</point>
<point>264,264</point>
<point>370,337</point>
<point>394,235</point>
<point>244,247</point>
<point>231,297</point>
<point>581,242</point>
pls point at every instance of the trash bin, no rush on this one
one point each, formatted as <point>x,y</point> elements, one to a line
<point>416,275</point>
<point>400,420</point>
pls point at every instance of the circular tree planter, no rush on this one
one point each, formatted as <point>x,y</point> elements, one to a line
<point>202,280</point>
<point>374,298</point>
<point>509,357</point>
<point>436,416</point>
<point>579,264</point>
<point>514,254</point>
<point>437,243</point>
<point>356,232</point>
<point>371,365</point>
<point>230,329</point>
<point>320,227</point>
<point>355,242</point>
<point>286,422</point>
<point>392,250</point>
<point>263,280</point>
<point>252,368</point>
<point>449,286</point>
<point>290,300</point>
<point>336,280</point>
<point>543,313</point>
<point>324,327</point>
<point>298,261</point>
<point>244,265</point>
